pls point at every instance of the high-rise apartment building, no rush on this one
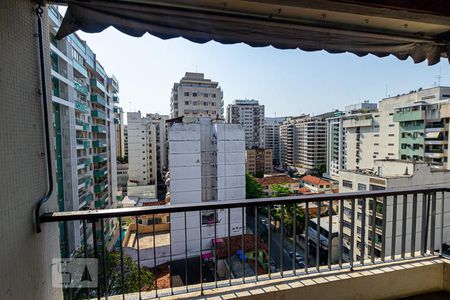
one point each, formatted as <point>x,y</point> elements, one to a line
<point>83,98</point>
<point>143,152</point>
<point>195,97</point>
<point>206,163</point>
<point>424,132</point>
<point>250,115</point>
<point>388,174</point>
<point>303,142</point>
<point>125,140</point>
<point>120,132</point>
<point>336,145</point>
<point>258,161</point>
<point>377,135</point>
<point>272,138</point>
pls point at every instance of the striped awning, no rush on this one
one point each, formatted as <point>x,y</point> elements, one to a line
<point>416,29</point>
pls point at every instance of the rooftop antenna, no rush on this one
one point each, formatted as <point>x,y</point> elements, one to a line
<point>438,77</point>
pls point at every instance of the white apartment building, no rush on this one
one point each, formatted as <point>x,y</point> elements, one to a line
<point>336,145</point>
<point>376,135</point>
<point>272,138</point>
<point>125,140</point>
<point>206,163</point>
<point>195,97</point>
<point>120,134</point>
<point>303,142</point>
<point>389,174</point>
<point>144,150</point>
<point>83,98</point>
<point>250,115</point>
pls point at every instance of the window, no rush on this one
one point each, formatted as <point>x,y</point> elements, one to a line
<point>213,104</point>
<point>376,135</point>
<point>391,125</point>
<point>347,184</point>
<point>391,134</point>
<point>186,94</point>
<point>194,103</point>
<point>205,95</point>
<point>205,103</point>
<point>186,102</point>
<point>390,144</point>
<point>362,187</point>
<point>194,94</point>
<point>213,95</point>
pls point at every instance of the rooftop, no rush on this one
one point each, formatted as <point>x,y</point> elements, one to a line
<point>315,180</point>
<point>277,179</point>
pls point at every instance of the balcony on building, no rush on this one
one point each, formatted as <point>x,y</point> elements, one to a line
<point>99,128</point>
<point>414,112</point>
<point>360,120</point>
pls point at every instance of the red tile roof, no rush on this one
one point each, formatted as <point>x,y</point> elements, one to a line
<point>278,179</point>
<point>315,180</point>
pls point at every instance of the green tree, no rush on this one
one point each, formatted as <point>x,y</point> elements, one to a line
<point>318,170</point>
<point>252,188</point>
<point>280,190</point>
<point>113,282</point>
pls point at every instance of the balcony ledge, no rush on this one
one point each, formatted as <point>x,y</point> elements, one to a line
<point>388,281</point>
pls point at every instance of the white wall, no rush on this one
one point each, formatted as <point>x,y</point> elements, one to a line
<point>219,173</point>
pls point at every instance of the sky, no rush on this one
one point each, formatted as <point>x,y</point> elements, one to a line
<point>287,82</point>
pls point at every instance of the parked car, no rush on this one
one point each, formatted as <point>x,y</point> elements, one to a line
<point>298,259</point>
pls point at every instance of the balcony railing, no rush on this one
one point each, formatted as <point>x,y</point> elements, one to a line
<point>228,243</point>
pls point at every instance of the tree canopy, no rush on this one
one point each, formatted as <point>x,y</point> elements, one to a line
<point>252,188</point>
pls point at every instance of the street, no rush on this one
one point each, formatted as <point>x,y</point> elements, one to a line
<point>275,254</point>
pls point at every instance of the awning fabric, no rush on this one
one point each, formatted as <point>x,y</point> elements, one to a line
<point>259,23</point>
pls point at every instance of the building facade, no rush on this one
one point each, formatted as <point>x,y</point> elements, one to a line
<point>377,135</point>
<point>336,145</point>
<point>272,138</point>
<point>146,157</point>
<point>388,174</point>
<point>258,161</point>
<point>195,97</point>
<point>303,142</point>
<point>250,115</point>
<point>83,98</point>
<point>206,163</point>
<point>120,130</point>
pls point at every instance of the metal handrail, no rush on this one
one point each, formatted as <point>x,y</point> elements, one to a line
<point>173,208</point>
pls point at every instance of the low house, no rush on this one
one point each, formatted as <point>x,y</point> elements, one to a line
<point>315,185</point>
<point>269,181</point>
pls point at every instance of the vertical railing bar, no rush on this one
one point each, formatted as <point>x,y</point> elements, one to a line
<point>441,248</point>
<point>201,250</point>
<point>154,259</point>
<point>215,239</point>
<point>413,225</point>
<point>243,245</point>
<point>318,229</point>
<point>394,226</point>
<point>352,233</point>
<point>170,258</point>
<point>269,242</point>
<point>306,236</point>
<point>424,225</point>
<point>229,246</point>
<point>138,257</point>
<point>122,287</point>
<point>185,253</point>
<point>256,243</point>
<point>294,238</point>
<point>66,251</point>
<point>383,230</point>
<point>105,274</point>
<point>341,231</point>
<point>330,233</point>
<point>94,237</point>
<point>363,231</point>
<point>282,241</point>
<point>374,216</point>
<point>85,250</point>
<point>433,223</point>
<point>404,218</point>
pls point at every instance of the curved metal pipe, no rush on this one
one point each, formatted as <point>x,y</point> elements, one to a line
<point>39,11</point>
